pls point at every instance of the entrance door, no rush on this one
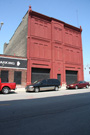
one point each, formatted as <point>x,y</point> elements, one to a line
<point>59,77</point>
<point>17,77</point>
<point>4,76</point>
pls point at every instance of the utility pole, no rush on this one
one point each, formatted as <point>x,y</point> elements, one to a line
<point>1,25</point>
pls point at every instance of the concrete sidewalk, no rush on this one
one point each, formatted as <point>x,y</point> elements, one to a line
<point>62,91</point>
<point>20,94</point>
<point>23,89</point>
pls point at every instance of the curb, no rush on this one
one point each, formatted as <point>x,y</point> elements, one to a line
<point>23,89</point>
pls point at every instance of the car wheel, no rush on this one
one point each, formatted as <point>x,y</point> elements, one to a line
<point>76,87</point>
<point>5,90</point>
<point>56,88</point>
<point>87,86</point>
<point>36,89</point>
<point>26,90</point>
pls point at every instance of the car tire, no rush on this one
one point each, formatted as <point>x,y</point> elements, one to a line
<point>26,90</point>
<point>36,89</point>
<point>56,88</point>
<point>5,90</point>
<point>76,87</point>
<point>87,86</point>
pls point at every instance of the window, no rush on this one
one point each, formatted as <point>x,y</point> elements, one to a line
<point>49,82</point>
<point>17,77</point>
<point>43,82</point>
<point>81,82</point>
<point>4,76</point>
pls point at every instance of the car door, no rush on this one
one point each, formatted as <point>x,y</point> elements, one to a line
<point>81,84</point>
<point>84,84</point>
<point>43,85</point>
<point>50,84</point>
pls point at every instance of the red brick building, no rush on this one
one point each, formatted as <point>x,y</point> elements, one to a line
<point>53,48</point>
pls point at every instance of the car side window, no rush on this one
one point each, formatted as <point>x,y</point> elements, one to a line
<point>44,82</point>
<point>80,82</point>
<point>56,82</point>
<point>49,82</point>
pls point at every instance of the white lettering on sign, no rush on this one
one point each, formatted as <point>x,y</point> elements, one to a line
<point>7,62</point>
<point>18,63</point>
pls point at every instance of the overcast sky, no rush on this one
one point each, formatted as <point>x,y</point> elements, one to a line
<point>74,12</point>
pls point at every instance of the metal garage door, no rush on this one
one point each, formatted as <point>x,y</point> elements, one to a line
<point>40,73</point>
<point>71,76</point>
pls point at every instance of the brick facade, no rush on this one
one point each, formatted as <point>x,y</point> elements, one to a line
<point>55,45</point>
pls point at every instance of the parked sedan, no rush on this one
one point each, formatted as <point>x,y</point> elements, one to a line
<point>79,84</point>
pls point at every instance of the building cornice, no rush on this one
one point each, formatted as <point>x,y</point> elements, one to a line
<point>33,13</point>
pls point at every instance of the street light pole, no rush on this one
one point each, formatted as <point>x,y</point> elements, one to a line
<point>1,25</point>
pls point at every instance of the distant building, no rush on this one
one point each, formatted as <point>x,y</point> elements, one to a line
<point>53,49</point>
<point>87,72</point>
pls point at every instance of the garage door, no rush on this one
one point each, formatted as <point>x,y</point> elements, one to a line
<point>71,76</point>
<point>39,73</point>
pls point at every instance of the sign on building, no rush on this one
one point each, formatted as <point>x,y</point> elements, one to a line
<point>6,62</point>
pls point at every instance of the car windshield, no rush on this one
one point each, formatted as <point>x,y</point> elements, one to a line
<point>75,82</point>
<point>37,81</point>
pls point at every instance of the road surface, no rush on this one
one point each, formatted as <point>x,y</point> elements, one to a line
<point>56,115</point>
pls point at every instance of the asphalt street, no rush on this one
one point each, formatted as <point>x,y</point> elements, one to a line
<point>65,114</point>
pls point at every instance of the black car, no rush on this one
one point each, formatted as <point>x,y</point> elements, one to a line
<point>46,84</point>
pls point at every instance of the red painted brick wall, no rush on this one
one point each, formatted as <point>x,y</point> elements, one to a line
<point>53,44</point>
